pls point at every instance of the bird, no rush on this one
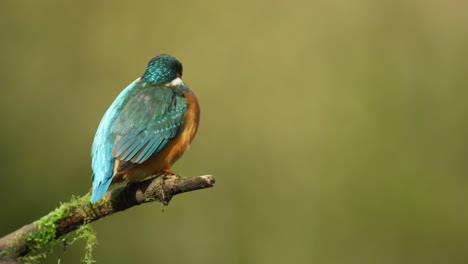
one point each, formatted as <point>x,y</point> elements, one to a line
<point>147,128</point>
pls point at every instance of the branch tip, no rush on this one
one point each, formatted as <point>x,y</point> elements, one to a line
<point>15,245</point>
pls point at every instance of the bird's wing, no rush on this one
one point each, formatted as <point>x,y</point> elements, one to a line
<point>102,160</point>
<point>148,121</point>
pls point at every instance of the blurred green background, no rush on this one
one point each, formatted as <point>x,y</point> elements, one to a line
<point>337,130</point>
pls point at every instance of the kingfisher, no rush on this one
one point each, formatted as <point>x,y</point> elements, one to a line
<point>146,129</point>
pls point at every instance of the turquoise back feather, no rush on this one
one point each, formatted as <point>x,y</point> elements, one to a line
<point>101,152</point>
<point>147,122</point>
<point>139,123</point>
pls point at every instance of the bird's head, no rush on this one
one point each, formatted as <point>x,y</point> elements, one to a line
<point>162,69</point>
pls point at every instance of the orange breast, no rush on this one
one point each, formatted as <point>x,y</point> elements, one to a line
<point>172,151</point>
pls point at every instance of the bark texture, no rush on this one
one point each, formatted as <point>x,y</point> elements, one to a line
<point>70,216</point>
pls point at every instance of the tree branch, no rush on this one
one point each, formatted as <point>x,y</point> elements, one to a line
<point>71,215</point>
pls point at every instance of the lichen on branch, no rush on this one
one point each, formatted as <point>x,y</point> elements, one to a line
<point>79,212</point>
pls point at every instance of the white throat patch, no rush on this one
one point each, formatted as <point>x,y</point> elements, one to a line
<point>176,82</point>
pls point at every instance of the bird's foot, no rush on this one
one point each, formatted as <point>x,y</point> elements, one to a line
<point>168,171</point>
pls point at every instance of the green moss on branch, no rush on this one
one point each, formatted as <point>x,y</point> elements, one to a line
<point>34,238</point>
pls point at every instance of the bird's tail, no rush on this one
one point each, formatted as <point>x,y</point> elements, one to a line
<point>99,188</point>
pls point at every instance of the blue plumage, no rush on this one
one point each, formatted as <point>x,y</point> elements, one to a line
<point>102,160</point>
<point>144,117</point>
<point>148,120</point>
